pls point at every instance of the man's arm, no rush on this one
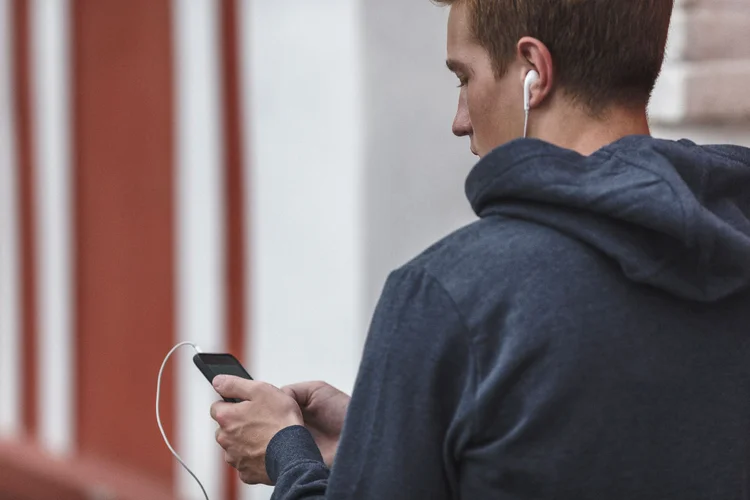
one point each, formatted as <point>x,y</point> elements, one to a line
<point>407,416</point>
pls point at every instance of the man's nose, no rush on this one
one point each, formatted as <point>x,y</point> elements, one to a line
<point>462,122</point>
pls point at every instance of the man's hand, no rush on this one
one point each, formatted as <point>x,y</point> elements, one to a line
<point>246,428</point>
<point>324,409</point>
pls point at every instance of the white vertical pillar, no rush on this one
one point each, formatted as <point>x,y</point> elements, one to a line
<point>302,78</point>
<point>51,132</point>
<point>10,327</point>
<point>200,241</point>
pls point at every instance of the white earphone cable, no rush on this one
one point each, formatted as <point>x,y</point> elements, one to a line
<point>158,416</point>
<point>526,124</point>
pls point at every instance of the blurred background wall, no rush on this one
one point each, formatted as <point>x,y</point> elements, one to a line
<point>238,173</point>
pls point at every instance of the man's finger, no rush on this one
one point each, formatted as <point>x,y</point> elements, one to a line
<point>229,386</point>
<point>220,411</point>
<point>229,459</point>
<point>215,409</point>
<point>221,439</point>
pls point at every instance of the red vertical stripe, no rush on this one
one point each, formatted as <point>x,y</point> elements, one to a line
<point>124,177</point>
<point>22,84</point>
<point>234,196</point>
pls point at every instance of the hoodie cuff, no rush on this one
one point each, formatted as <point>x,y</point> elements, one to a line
<point>289,447</point>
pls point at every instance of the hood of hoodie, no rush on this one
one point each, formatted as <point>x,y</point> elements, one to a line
<point>673,215</point>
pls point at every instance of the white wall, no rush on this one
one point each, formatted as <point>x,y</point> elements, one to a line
<point>352,166</point>
<point>415,167</point>
<point>304,125</point>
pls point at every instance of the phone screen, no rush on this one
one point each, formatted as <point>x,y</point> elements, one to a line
<point>220,364</point>
<point>227,369</point>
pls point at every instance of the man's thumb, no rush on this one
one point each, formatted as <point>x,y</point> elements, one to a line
<point>233,387</point>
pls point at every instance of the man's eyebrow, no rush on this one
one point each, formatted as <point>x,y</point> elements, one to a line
<point>455,66</point>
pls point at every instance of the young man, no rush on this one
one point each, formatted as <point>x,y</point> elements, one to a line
<point>588,338</point>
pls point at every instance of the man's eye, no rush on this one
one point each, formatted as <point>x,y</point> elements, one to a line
<point>462,82</point>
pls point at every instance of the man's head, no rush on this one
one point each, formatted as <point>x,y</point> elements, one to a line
<point>593,56</point>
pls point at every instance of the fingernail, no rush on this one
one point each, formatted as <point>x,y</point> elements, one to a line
<point>218,381</point>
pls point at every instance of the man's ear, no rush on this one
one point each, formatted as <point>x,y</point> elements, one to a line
<point>536,57</point>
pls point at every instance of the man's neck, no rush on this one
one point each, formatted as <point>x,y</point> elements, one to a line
<point>580,132</point>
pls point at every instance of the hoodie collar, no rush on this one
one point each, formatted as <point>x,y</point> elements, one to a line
<point>484,184</point>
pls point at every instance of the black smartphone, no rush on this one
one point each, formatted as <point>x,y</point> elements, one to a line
<point>220,364</point>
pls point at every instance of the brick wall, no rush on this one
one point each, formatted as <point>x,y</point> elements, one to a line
<point>706,77</point>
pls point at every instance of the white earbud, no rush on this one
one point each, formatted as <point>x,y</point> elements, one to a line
<point>531,78</point>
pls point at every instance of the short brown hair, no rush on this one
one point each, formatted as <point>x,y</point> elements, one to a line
<point>605,51</point>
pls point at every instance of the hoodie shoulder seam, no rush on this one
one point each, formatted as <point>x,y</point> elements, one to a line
<point>471,343</point>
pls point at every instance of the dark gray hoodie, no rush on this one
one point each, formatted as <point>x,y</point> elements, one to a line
<point>587,339</point>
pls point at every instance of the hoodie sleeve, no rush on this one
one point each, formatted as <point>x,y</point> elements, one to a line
<point>406,416</point>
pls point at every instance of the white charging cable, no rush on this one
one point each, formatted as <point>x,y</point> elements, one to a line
<point>158,417</point>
